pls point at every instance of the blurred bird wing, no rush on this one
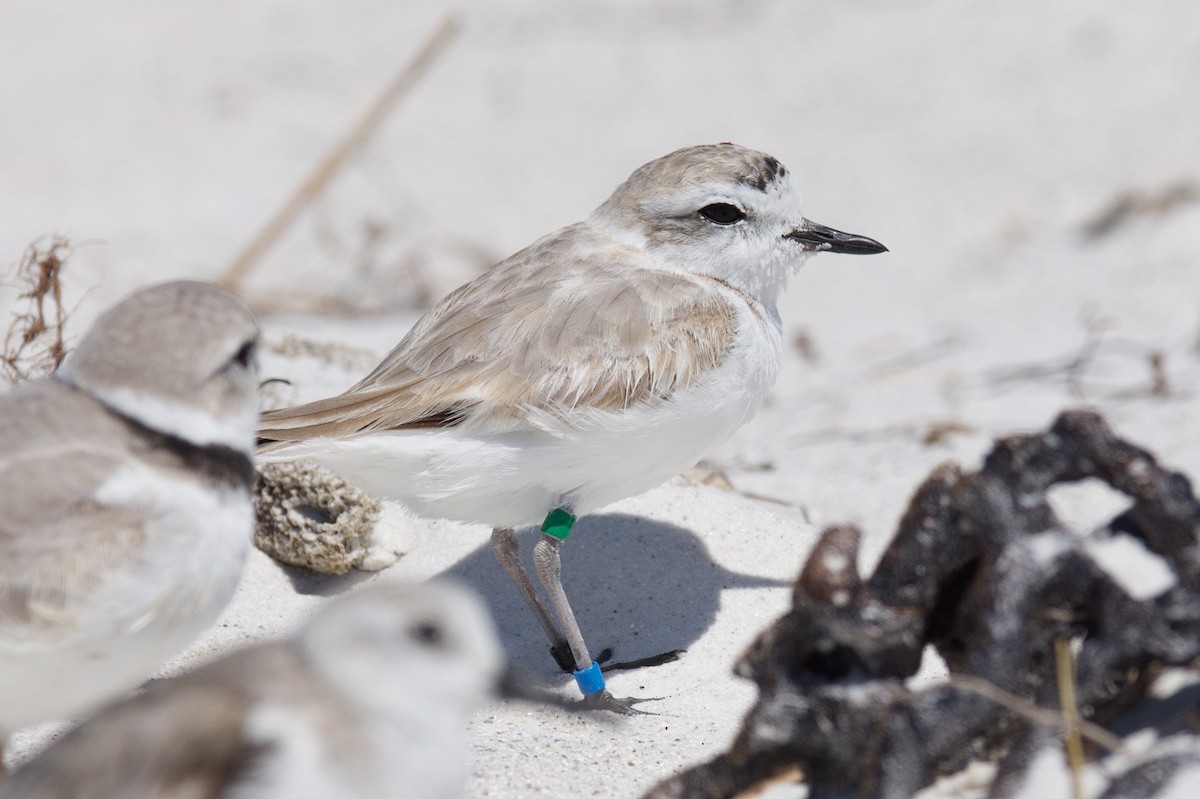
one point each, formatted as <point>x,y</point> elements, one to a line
<point>183,738</point>
<point>58,447</point>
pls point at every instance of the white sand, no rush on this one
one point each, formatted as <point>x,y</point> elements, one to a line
<point>975,140</point>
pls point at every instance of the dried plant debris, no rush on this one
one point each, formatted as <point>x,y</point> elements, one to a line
<point>1131,204</point>
<point>34,345</point>
<point>981,569</point>
<point>1099,369</point>
<point>308,517</point>
<point>805,345</point>
<point>330,353</point>
<point>711,474</point>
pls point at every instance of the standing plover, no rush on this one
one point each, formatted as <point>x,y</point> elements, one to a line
<point>596,363</point>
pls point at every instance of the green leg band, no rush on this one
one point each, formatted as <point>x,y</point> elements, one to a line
<point>558,524</point>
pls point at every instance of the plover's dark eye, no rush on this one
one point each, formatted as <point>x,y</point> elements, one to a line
<point>245,355</point>
<point>722,213</point>
<point>426,632</point>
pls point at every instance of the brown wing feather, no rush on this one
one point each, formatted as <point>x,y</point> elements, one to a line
<point>574,332</point>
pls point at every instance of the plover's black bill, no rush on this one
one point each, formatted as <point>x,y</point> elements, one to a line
<point>819,238</point>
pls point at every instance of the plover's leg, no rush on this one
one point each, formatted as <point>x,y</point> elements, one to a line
<point>508,551</point>
<point>548,563</point>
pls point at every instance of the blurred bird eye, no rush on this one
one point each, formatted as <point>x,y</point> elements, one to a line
<point>722,213</point>
<point>426,633</point>
<point>245,356</point>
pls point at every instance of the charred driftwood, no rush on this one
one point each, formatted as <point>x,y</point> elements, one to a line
<point>983,570</point>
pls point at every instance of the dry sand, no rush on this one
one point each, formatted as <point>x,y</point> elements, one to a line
<point>978,141</point>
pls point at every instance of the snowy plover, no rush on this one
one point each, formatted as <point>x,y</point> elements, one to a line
<point>125,510</point>
<point>593,365</point>
<point>371,699</point>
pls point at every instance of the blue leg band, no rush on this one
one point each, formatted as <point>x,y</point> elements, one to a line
<point>589,680</point>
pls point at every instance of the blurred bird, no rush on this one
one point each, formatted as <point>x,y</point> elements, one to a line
<point>370,699</point>
<point>125,512</point>
<point>595,364</point>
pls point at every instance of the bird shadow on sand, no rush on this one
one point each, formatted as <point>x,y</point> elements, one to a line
<point>637,586</point>
<point>311,583</point>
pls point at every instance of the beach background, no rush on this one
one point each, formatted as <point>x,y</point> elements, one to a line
<point>1032,166</point>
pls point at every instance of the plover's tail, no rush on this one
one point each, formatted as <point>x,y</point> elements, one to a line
<point>359,410</point>
<point>332,417</point>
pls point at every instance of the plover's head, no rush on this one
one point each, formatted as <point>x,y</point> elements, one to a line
<point>406,649</point>
<point>177,357</point>
<point>724,211</point>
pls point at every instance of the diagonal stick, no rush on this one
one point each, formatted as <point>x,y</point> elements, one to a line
<point>333,161</point>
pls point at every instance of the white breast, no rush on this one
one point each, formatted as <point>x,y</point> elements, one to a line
<point>306,759</point>
<point>146,610</point>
